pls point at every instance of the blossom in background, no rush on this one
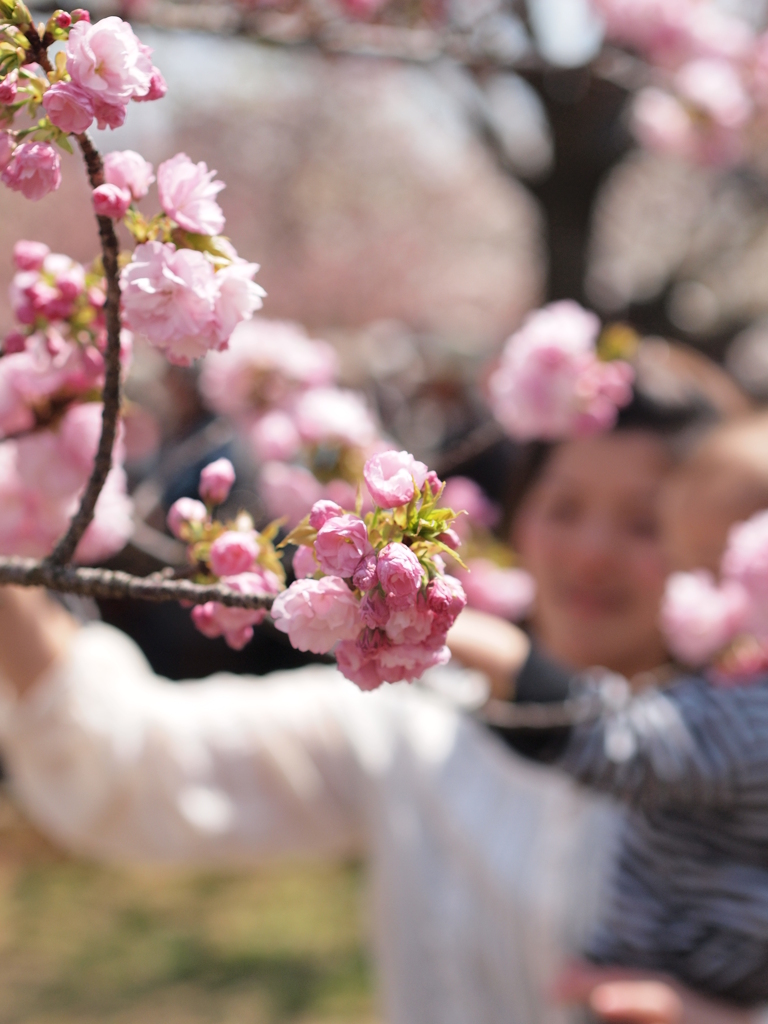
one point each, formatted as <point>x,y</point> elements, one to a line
<point>506,592</point>
<point>216,481</point>
<point>324,415</point>
<point>727,621</point>
<point>550,383</point>
<point>129,170</point>
<point>34,169</point>
<point>188,193</point>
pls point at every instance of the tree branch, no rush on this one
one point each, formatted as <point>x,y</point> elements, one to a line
<point>108,583</point>
<point>65,549</point>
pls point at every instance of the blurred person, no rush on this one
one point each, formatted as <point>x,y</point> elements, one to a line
<point>487,871</point>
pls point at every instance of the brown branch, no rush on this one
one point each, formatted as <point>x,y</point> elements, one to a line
<point>65,549</point>
<point>108,583</point>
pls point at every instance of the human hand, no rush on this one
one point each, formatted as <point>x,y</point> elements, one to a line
<point>639,997</point>
<point>35,632</point>
<point>492,645</point>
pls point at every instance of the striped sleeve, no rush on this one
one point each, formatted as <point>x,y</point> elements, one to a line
<point>693,743</point>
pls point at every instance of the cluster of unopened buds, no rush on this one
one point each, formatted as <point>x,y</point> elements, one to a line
<point>374,588</point>
<point>233,553</point>
<point>309,436</point>
<point>553,381</point>
<point>709,99</point>
<point>723,623</point>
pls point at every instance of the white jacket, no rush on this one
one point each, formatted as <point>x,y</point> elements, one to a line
<point>485,869</point>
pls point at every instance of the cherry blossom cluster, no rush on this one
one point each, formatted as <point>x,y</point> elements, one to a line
<point>709,98</point>
<point>55,354</point>
<point>42,476</point>
<point>234,553</point>
<point>723,623</point>
<point>551,382</point>
<point>101,70</point>
<point>309,436</point>
<point>373,588</point>
<point>491,582</point>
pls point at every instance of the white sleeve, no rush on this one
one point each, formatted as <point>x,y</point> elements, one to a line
<point>116,763</point>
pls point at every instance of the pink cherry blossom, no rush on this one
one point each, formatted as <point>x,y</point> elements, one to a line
<point>111,201</point>
<point>233,552</point>
<point>392,478</point>
<point>288,491</point>
<point>340,545</point>
<point>29,255</point>
<point>374,609</point>
<point>409,661</point>
<point>508,593</point>
<point>746,562</point>
<point>108,60</point>
<point>129,170</point>
<point>168,298</point>
<point>69,107</point>
<point>34,170</point>
<point>274,436</point>
<point>157,87</point>
<point>265,362</point>
<point>410,623</point>
<point>316,614</point>
<point>365,576</point>
<point>322,511</point>
<point>549,384</point>
<point>400,574</point>
<point>333,414</point>
<point>183,512</point>
<point>216,481</point>
<point>358,664</point>
<point>188,195</point>
<point>236,298</point>
<point>9,87</point>
<point>214,619</point>
<point>699,617</point>
<point>304,562</point>
<point>108,115</point>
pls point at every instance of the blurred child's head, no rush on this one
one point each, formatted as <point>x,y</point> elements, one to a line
<point>725,481</point>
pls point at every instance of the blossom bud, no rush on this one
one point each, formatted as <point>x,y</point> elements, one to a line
<point>80,14</point>
<point>233,552</point>
<point>9,87</point>
<point>111,201</point>
<point>15,341</point>
<point>365,576</point>
<point>433,481</point>
<point>63,19</point>
<point>183,512</point>
<point>216,481</point>
<point>451,539</point>
<point>400,574</point>
<point>322,511</point>
<point>29,255</point>
<point>341,543</point>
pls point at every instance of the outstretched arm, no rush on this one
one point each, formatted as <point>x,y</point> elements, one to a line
<point>35,634</point>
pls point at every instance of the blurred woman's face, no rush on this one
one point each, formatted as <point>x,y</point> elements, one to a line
<point>588,533</point>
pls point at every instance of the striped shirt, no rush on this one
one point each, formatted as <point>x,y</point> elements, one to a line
<point>690,891</point>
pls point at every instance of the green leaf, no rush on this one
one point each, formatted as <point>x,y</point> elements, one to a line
<point>301,534</point>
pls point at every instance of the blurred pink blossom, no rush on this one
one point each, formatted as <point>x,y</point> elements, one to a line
<point>233,552</point>
<point>129,170</point>
<point>214,619</point>
<point>9,87</point>
<point>304,562</point>
<point>274,436</point>
<point>111,201</point>
<point>317,614</point>
<point>182,512</point>
<point>746,562</point>
<point>216,481</point>
<point>699,617</point>
<point>6,149</point>
<point>34,170</point>
<point>288,491</point>
<point>464,495</point>
<point>550,384</point>
<point>188,195</point>
<point>508,593</point>
<point>331,414</point>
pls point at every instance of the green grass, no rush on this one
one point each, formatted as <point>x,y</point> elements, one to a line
<point>85,943</point>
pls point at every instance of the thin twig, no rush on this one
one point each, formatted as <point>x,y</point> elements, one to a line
<point>65,549</point>
<point>108,583</point>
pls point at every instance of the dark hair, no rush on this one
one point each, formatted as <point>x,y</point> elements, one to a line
<point>678,395</point>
